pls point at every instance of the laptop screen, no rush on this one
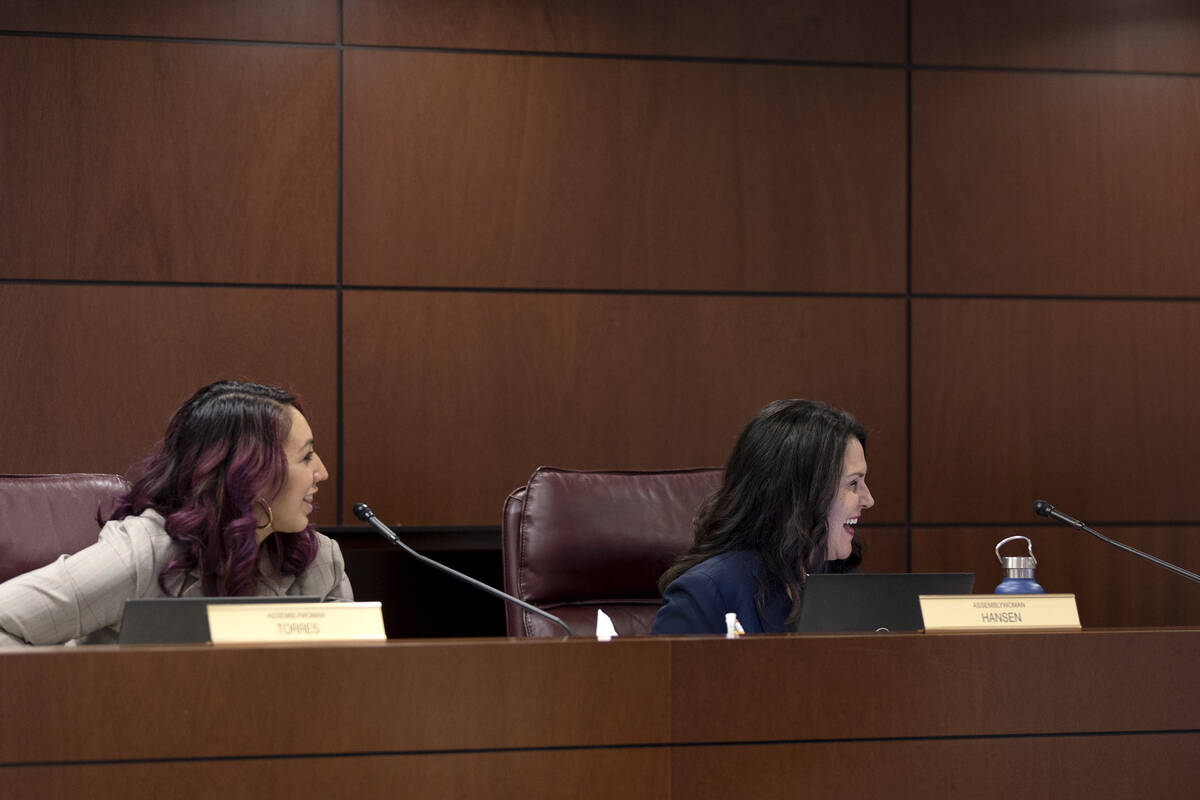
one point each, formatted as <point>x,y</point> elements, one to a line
<point>866,602</point>
<point>180,620</point>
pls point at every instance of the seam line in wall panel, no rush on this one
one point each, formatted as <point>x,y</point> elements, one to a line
<point>116,37</point>
<point>666,292</point>
<point>908,284</point>
<point>164,284</point>
<point>339,358</point>
<point>1052,70</point>
<point>550,290</point>
<point>566,54</point>
<point>612,746</point>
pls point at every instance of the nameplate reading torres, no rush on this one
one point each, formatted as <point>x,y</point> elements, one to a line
<point>295,622</point>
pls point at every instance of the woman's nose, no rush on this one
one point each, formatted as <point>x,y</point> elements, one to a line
<point>868,500</point>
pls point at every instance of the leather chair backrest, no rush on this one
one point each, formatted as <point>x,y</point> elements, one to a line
<point>45,516</point>
<point>574,542</point>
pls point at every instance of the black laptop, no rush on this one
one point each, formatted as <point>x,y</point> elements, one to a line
<point>866,602</point>
<point>180,620</point>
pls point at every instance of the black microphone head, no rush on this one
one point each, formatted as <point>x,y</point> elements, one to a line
<point>363,512</point>
<point>1042,508</point>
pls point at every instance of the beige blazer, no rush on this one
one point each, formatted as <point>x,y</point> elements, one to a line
<point>80,598</point>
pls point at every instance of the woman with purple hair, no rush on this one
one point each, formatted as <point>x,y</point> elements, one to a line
<point>221,510</point>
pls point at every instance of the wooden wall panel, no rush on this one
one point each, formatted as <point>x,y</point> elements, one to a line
<point>631,773</point>
<point>439,696</point>
<point>516,171</point>
<point>452,399</point>
<point>1055,184</point>
<point>91,374</point>
<point>1112,588</point>
<point>885,549</point>
<point>932,686</point>
<point>277,20</point>
<point>130,160</point>
<point>819,30</point>
<point>1139,35</point>
<point>1078,767</point>
<point>1086,404</point>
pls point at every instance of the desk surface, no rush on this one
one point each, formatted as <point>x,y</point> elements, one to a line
<point>896,715</point>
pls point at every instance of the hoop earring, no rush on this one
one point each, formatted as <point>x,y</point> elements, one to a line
<point>266,507</point>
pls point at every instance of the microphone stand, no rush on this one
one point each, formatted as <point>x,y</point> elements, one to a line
<point>364,512</point>
<point>1044,509</point>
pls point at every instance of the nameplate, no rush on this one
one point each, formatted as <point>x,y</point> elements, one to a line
<point>999,612</point>
<point>233,623</point>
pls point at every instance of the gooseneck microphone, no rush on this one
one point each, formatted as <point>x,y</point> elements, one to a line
<point>364,512</point>
<point>1044,509</point>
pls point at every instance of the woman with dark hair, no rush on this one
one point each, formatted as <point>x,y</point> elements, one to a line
<point>221,510</point>
<point>792,493</point>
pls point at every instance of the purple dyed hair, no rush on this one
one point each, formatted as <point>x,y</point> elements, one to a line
<point>223,450</point>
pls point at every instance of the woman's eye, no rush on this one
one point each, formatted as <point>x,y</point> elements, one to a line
<point>309,457</point>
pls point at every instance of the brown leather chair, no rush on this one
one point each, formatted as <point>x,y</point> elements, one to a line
<point>45,516</point>
<point>575,541</point>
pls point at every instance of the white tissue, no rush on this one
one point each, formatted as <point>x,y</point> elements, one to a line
<point>604,627</point>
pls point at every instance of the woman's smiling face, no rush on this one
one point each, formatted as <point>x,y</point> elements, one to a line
<point>294,502</point>
<point>851,497</point>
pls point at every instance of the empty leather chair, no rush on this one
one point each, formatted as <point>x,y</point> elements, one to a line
<point>575,541</point>
<point>45,516</point>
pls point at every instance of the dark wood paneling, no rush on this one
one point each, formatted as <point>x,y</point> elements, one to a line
<point>601,773</point>
<point>277,20</point>
<point>187,162</point>
<point>1112,588</point>
<point>471,694</point>
<point>452,398</point>
<point>885,549</point>
<point>1088,405</point>
<point>1055,184</point>
<point>91,374</point>
<point>886,715</point>
<point>820,30</point>
<point>490,170</point>
<point>910,685</point>
<point>1142,35</point>
<point>1059,767</point>
<point>1076,767</point>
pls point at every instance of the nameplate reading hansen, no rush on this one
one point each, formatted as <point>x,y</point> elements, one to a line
<point>231,623</point>
<point>999,612</point>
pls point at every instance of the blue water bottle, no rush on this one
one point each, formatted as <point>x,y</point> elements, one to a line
<point>1018,571</point>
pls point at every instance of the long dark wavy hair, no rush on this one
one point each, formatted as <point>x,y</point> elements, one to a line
<point>774,500</point>
<point>223,449</point>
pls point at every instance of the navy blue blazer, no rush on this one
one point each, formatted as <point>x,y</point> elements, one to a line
<point>697,601</point>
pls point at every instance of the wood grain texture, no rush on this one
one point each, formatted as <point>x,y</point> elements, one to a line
<point>274,20</point>
<point>514,171</point>
<point>1072,767</point>
<point>1112,589</point>
<point>904,686</point>
<point>632,773</point>
<point>418,697</point>
<point>1055,184</point>
<point>184,162</point>
<point>818,30</point>
<point>91,374</point>
<point>451,399</point>
<point>1060,767</point>
<point>1141,35</point>
<point>885,548</point>
<point>585,719</point>
<point>1083,404</point>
